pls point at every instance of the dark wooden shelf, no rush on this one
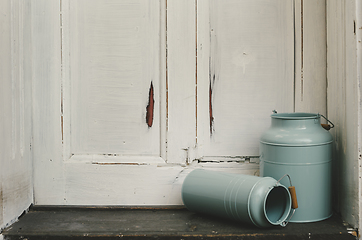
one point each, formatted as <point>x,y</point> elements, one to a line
<point>156,223</point>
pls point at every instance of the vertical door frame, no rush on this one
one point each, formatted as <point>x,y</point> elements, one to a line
<point>310,82</point>
<point>344,59</point>
<point>181,81</point>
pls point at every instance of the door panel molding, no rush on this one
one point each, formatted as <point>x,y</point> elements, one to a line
<point>112,81</point>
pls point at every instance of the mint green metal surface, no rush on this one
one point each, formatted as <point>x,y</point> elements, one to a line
<point>296,144</point>
<point>259,201</point>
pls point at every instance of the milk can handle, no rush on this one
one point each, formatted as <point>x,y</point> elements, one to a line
<point>293,195</point>
<point>327,126</point>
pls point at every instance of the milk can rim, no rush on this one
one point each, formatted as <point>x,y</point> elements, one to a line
<point>287,207</point>
<point>295,116</point>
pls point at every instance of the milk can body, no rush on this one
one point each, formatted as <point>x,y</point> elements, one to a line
<point>263,202</point>
<point>297,145</point>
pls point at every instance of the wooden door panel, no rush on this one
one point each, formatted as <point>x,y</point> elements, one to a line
<point>245,71</point>
<point>114,83</point>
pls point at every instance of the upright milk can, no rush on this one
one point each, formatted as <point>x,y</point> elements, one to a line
<point>297,144</point>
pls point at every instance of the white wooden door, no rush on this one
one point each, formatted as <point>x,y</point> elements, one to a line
<point>130,96</point>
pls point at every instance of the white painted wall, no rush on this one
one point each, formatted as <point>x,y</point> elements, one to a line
<point>16,186</point>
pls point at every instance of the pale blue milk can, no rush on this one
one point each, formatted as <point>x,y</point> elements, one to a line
<point>263,202</point>
<point>297,144</point>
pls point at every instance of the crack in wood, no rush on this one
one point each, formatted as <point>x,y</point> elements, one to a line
<point>120,163</point>
<point>210,109</point>
<point>302,53</point>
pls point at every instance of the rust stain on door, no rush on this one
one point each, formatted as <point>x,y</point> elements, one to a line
<point>150,107</point>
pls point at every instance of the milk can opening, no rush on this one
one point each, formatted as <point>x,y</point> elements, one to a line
<point>292,116</point>
<point>277,205</point>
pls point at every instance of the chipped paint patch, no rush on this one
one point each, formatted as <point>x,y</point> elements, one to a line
<point>150,107</point>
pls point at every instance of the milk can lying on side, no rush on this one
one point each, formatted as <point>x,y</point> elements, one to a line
<point>261,201</point>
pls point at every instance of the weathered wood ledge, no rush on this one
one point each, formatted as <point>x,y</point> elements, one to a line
<point>57,222</point>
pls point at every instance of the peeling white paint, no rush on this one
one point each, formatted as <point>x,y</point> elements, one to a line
<point>310,56</point>
<point>84,73</point>
<point>15,93</point>
<point>343,105</point>
<point>247,57</point>
<point>99,95</point>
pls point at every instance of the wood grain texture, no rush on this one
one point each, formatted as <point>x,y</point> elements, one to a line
<point>344,104</point>
<point>15,111</point>
<point>245,56</point>
<point>358,32</point>
<point>76,79</point>
<point>96,176</point>
<point>155,184</point>
<point>181,79</point>
<point>94,145</point>
<point>114,57</point>
<point>171,223</point>
<point>56,56</point>
<point>48,165</point>
<point>310,56</point>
